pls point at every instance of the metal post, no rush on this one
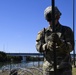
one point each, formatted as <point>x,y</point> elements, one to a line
<point>74,29</point>
<point>53,27</point>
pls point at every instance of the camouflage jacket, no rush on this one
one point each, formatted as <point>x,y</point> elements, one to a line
<point>61,53</point>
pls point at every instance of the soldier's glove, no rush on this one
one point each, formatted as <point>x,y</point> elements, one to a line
<point>55,38</point>
<point>48,45</point>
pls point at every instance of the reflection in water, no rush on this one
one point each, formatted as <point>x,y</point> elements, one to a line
<point>20,65</point>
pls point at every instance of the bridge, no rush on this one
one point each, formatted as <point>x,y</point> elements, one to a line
<point>30,54</point>
<point>25,54</point>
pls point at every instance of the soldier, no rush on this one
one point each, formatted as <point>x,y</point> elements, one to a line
<point>64,40</point>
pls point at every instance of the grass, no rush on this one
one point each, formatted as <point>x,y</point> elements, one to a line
<point>74,71</point>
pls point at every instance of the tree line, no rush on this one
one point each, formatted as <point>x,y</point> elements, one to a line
<point>7,58</point>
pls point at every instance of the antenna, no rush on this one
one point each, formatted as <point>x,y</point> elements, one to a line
<point>53,27</point>
<point>3,47</point>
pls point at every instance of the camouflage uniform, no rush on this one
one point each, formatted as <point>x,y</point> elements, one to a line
<point>62,51</point>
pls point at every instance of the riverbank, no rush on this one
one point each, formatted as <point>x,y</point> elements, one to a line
<point>74,71</point>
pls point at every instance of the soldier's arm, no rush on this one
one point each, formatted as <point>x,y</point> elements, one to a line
<point>67,45</point>
<point>40,41</point>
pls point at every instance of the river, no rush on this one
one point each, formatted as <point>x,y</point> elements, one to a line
<point>21,64</point>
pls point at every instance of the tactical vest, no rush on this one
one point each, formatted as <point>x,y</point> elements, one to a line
<point>49,54</point>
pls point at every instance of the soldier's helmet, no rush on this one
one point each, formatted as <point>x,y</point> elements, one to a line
<point>48,12</point>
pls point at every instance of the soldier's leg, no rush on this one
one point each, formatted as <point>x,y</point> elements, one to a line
<point>46,68</point>
<point>67,72</point>
<point>52,73</point>
<point>44,72</point>
<point>48,73</point>
<point>59,72</point>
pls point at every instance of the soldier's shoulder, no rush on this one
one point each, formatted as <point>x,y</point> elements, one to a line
<point>66,28</point>
<point>40,32</point>
<point>40,35</point>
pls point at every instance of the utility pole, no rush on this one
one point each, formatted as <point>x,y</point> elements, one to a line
<point>74,29</point>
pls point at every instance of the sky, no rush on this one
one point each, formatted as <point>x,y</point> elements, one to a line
<point>21,20</point>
